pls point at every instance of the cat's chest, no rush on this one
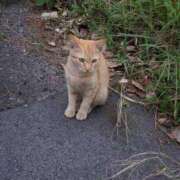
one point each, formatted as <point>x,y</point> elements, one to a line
<point>81,84</point>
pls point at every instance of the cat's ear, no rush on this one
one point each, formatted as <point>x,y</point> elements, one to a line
<point>73,41</point>
<point>101,45</point>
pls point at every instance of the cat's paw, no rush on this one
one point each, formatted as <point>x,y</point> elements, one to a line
<point>81,115</point>
<point>69,113</point>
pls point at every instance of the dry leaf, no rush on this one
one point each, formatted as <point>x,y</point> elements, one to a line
<point>123,81</point>
<point>52,43</point>
<point>94,36</point>
<point>154,64</point>
<point>137,85</point>
<point>162,120</point>
<point>140,94</point>
<point>176,134</point>
<point>57,30</point>
<point>113,64</point>
<point>150,94</point>
<point>65,13</point>
<point>108,54</point>
<point>131,89</point>
<point>130,48</point>
<point>134,59</point>
<point>165,121</point>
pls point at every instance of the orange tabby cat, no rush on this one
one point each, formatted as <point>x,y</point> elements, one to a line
<point>86,75</point>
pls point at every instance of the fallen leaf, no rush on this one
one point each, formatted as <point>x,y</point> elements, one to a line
<point>176,134</point>
<point>154,64</point>
<point>130,48</point>
<point>140,94</point>
<point>162,120</point>
<point>123,81</point>
<point>108,55</point>
<point>134,59</point>
<point>131,89</point>
<point>150,94</point>
<point>113,64</point>
<point>52,43</point>
<point>65,13</point>
<point>131,95</point>
<point>94,36</point>
<point>137,85</point>
<point>57,30</point>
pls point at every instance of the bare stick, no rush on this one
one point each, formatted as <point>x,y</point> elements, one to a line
<point>131,35</point>
<point>126,127</point>
<point>126,97</point>
<point>134,164</point>
<point>161,172</point>
<point>137,160</point>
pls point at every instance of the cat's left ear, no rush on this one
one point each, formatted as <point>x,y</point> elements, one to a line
<point>73,41</point>
<point>101,45</point>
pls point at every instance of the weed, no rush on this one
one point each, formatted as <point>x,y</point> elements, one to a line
<point>2,36</point>
<point>49,3</point>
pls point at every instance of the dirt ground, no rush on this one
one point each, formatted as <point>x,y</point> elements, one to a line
<point>36,140</point>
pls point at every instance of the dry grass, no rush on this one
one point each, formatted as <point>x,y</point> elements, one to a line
<point>168,167</point>
<point>153,28</point>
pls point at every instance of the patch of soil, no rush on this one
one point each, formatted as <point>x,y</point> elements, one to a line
<point>25,76</point>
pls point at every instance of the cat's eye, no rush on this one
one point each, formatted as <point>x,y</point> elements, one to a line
<point>94,60</point>
<point>81,60</point>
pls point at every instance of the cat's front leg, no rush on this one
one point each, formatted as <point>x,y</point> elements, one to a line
<point>84,107</point>
<point>71,108</point>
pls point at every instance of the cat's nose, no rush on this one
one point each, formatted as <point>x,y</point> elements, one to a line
<point>88,67</point>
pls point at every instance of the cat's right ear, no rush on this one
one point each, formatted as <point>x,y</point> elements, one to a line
<point>73,42</point>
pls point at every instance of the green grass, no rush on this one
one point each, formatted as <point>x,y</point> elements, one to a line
<point>49,3</point>
<point>155,26</point>
<point>2,36</point>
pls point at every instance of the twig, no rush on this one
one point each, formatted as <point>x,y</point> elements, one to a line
<point>161,172</point>
<point>119,111</point>
<point>176,93</point>
<point>137,160</point>
<point>134,164</point>
<point>155,118</point>
<point>126,127</point>
<point>162,129</point>
<point>126,97</point>
<point>131,35</point>
<point>154,153</point>
<point>50,50</point>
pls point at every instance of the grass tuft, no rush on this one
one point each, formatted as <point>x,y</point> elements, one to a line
<point>152,26</point>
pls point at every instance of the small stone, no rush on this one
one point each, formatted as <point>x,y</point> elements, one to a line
<point>49,15</point>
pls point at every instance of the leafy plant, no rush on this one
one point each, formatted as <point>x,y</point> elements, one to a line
<point>154,25</point>
<point>49,3</point>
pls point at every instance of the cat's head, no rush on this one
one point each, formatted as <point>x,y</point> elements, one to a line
<point>85,54</point>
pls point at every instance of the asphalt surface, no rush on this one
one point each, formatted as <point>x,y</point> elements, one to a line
<point>38,143</point>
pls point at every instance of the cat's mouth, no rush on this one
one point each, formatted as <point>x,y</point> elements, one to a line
<point>86,72</point>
